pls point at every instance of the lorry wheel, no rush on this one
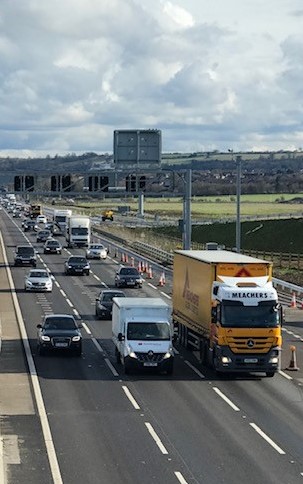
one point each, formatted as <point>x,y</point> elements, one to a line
<point>118,357</point>
<point>270,374</point>
<point>203,353</point>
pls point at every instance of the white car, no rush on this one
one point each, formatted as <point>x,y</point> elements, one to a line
<point>38,280</point>
<point>41,219</point>
<point>96,251</point>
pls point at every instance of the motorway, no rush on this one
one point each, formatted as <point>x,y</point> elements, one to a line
<point>81,420</point>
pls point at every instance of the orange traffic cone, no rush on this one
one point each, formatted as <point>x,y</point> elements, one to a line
<point>132,261</point>
<point>293,360</point>
<point>126,258</point>
<point>122,257</point>
<point>293,303</point>
<point>162,280</point>
<point>150,272</point>
<point>139,266</point>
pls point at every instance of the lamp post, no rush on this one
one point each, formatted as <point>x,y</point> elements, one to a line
<point>238,221</point>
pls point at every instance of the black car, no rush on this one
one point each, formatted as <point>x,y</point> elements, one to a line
<point>43,235</point>
<point>128,276</point>
<point>59,332</point>
<point>54,228</point>
<point>77,264</point>
<point>52,246</point>
<point>29,225</point>
<point>25,254</point>
<point>104,303</point>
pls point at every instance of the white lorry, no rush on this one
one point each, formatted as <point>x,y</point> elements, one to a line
<point>60,217</point>
<point>142,333</point>
<point>78,231</point>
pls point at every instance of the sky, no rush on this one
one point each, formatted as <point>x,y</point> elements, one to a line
<point>211,75</point>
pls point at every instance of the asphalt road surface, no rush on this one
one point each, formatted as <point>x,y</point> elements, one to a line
<point>81,420</point>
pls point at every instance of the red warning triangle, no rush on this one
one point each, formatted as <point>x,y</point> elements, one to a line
<point>243,273</point>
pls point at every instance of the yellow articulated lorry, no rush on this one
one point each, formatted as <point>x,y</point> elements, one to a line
<point>225,307</point>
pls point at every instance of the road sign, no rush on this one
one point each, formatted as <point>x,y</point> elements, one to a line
<point>137,148</point>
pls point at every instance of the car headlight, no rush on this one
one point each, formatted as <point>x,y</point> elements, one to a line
<point>70,267</point>
<point>76,338</point>
<point>45,338</point>
<point>86,267</point>
<point>29,283</point>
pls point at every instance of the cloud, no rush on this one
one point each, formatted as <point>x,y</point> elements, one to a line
<point>216,76</point>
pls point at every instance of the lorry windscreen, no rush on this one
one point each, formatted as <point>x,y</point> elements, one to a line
<point>60,219</point>
<point>79,230</point>
<point>148,331</point>
<point>237,315</point>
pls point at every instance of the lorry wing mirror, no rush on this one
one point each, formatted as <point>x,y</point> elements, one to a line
<point>121,337</point>
<point>214,315</point>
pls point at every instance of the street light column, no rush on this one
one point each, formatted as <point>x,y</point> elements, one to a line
<point>238,221</point>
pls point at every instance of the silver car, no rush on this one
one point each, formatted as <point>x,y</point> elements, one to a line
<point>38,280</point>
<point>96,251</point>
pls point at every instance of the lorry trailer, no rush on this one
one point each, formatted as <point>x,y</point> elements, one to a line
<point>226,308</point>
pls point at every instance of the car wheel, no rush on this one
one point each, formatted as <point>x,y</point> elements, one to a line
<point>40,351</point>
<point>44,252</point>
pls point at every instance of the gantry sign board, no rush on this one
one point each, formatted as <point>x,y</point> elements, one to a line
<point>137,147</point>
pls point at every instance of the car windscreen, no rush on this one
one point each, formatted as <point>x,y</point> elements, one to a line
<point>59,323</point>
<point>129,271</point>
<point>38,274</point>
<point>77,260</point>
<point>53,243</point>
<point>25,250</point>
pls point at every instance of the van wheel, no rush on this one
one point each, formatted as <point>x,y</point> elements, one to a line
<point>118,357</point>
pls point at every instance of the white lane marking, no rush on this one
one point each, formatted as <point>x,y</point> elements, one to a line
<point>195,369</point>
<point>268,439</point>
<point>111,367</point>
<point>86,328</point>
<point>48,439</point>
<point>76,313</point>
<point>57,283</point>
<point>2,464</point>
<point>288,377</point>
<point>69,303</point>
<point>151,285</point>
<point>130,397</point>
<point>180,477</point>
<point>116,262</point>
<point>156,438</point>
<point>0,341</point>
<point>166,295</point>
<point>96,277</point>
<point>63,293</point>
<point>98,346</point>
<point>227,400</point>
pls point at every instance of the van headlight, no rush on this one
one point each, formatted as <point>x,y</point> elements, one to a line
<point>131,352</point>
<point>45,338</point>
<point>76,338</point>
<point>168,354</point>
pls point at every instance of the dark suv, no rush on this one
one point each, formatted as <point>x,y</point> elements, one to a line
<point>25,254</point>
<point>59,332</point>
<point>77,264</point>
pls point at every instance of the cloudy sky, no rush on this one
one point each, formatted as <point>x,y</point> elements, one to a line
<point>219,74</point>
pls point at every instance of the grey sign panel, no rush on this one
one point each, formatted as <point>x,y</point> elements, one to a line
<point>136,147</point>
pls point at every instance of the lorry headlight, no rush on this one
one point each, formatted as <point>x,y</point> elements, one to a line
<point>274,359</point>
<point>226,359</point>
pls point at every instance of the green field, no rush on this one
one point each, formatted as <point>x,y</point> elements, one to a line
<point>203,207</point>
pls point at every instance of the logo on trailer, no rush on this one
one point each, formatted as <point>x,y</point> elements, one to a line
<point>243,273</point>
<point>189,295</point>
